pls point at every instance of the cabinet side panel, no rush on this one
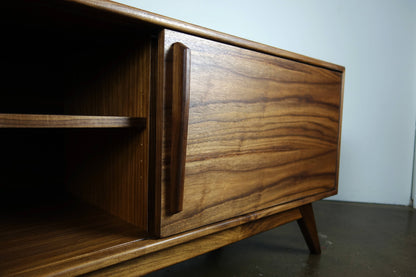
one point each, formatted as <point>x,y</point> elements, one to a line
<point>156,134</point>
<point>110,169</point>
<point>341,104</point>
<point>262,131</point>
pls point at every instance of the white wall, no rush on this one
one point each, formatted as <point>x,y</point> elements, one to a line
<point>374,39</point>
<point>414,175</point>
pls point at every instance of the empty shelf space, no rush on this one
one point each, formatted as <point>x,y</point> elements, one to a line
<point>39,237</point>
<point>69,121</point>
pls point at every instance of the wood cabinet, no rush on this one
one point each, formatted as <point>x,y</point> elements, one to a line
<point>132,141</point>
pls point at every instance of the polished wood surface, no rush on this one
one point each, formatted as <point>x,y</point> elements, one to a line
<point>179,86</point>
<point>181,252</point>
<point>111,171</point>
<point>74,122</point>
<point>86,128</point>
<point>35,238</point>
<point>308,227</point>
<point>80,65</point>
<point>139,244</point>
<point>69,121</point>
<point>262,131</point>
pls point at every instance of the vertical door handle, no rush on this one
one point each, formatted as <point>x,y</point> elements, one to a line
<point>181,61</point>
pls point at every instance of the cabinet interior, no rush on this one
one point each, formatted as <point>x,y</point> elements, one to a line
<point>88,113</point>
<point>68,187</point>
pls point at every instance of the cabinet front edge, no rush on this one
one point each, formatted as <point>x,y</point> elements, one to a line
<point>127,251</point>
<point>177,25</point>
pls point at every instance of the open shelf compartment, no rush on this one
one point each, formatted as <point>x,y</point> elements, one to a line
<point>36,238</point>
<point>69,192</point>
<point>74,140</point>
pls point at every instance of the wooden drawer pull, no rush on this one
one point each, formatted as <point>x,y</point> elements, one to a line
<point>181,61</point>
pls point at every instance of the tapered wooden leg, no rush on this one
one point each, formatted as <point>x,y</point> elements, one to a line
<point>308,227</point>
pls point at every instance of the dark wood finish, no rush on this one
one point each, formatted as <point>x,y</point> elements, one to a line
<point>181,61</point>
<point>78,64</point>
<point>90,104</point>
<point>262,131</point>
<point>181,252</point>
<point>69,121</point>
<point>121,84</point>
<point>34,240</point>
<point>104,168</point>
<point>74,115</point>
<point>118,180</point>
<point>135,248</point>
<point>308,227</point>
<point>155,141</point>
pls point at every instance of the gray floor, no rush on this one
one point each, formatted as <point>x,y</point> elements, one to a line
<point>356,240</point>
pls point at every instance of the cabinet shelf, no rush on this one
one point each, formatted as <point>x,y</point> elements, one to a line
<point>39,235</point>
<point>69,121</point>
<point>104,106</point>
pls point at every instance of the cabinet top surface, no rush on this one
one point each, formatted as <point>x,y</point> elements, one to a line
<point>152,20</point>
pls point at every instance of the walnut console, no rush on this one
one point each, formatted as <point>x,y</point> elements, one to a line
<point>131,141</point>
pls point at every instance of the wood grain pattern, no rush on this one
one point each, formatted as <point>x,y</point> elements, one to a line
<point>181,61</point>
<point>263,139</point>
<point>308,227</point>
<point>34,240</point>
<point>262,131</point>
<point>181,252</point>
<point>81,65</point>
<point>69,121</point>
<point>104,257</point>
<point>110,169</point>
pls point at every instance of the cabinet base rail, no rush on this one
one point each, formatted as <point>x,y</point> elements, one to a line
<point>151,262</point>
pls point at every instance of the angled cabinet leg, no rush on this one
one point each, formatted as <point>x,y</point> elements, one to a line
<point>308,227</point>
